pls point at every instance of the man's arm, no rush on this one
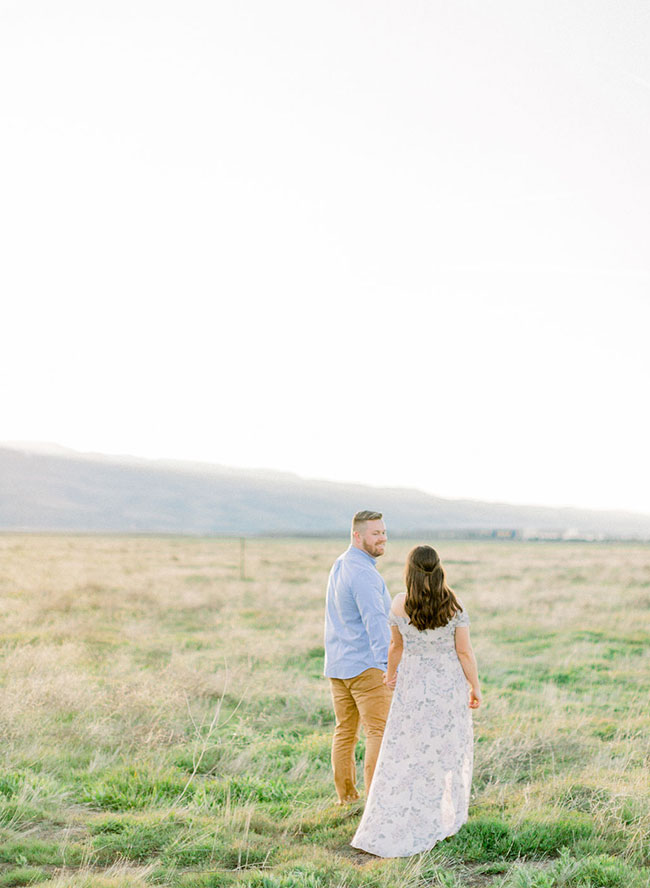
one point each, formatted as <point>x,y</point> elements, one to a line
<point>368,592</point>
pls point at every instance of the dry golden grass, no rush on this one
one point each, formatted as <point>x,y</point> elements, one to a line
<point>164,721</point>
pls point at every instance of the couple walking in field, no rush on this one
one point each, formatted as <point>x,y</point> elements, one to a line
<point>417,720</point>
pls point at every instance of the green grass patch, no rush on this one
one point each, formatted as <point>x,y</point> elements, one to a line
<point>26,850</point>
<point>133,840</point>
<point>491,838</point>
<point>569,871</point>
<point>310,662</point>
<point>207,761</point>
<point>23,875</point>
<point>132,789</point>
<point>19,814</point>
<point>244,788</point>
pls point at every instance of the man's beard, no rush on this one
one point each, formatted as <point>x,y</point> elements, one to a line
<point>370,549</point>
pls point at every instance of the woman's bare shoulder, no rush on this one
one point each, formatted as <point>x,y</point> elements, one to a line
<point>397,606</point>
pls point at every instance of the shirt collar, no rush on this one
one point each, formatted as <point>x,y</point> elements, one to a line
<point>361,552</point>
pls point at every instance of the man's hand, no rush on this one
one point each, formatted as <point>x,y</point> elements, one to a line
<point>390,683</point>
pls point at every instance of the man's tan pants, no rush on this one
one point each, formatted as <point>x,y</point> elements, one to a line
<point>362,700</point>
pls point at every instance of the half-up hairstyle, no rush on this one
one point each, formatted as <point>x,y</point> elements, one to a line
<point>430,603</point>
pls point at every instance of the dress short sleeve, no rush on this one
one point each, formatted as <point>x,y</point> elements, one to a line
<point>461,618</point>
<point>392,619</point>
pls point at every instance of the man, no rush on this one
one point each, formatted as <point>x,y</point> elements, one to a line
<point>356,651</point>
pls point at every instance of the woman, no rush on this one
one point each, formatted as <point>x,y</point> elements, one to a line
<point>420,790</point>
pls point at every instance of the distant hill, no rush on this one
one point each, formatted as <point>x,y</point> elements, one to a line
<point>48,488</point>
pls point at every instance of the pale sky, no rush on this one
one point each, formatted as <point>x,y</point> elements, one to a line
<point>401,244</point>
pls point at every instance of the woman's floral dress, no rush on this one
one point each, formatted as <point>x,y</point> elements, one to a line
<point>421,786</point>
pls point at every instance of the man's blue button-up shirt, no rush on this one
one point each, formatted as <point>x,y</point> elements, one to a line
<point>356,616</point>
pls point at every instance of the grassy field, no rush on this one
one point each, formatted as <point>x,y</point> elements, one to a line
<point>165,722</point>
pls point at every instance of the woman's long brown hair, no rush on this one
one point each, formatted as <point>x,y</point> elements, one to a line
<point>430,603</point>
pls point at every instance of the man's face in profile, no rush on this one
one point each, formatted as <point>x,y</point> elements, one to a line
<point>372,537</point>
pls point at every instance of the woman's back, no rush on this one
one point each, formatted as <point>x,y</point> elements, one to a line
<point>426,642</point>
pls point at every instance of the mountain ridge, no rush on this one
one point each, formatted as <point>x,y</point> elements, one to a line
<point>45,487</point>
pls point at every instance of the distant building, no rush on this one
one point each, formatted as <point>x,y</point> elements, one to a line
<point>567,534</point>
<point>534,533</point>
<point>481,533</point>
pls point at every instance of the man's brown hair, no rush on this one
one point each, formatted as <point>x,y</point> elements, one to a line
<point>364,515</point>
